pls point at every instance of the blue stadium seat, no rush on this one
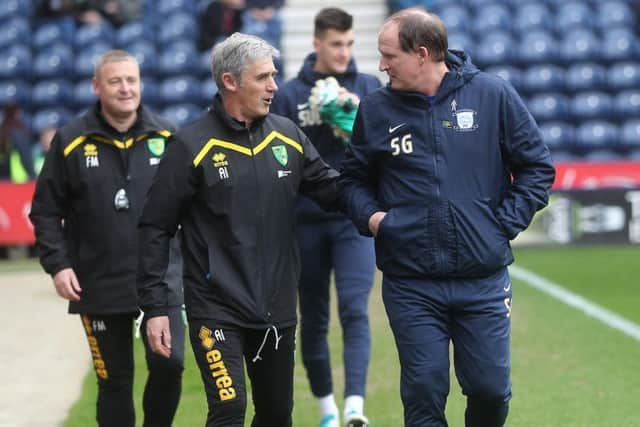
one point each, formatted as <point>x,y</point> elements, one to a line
<point>204,64</point>
<point>620,44</point>
<point>626,103</point>
<point>181,114</point>
<point>50,117</point>
<point>630,133</point>
<point>15,8</point>
<point>491,17</point>
<point>168,7</point>
<point>180,89</point>
<point>549,106</point>
<point>181,26</point>
<point>580,45</point>
<point>52,93</point>
<point>532,16</point>
<point>147,56</point>
<point>456,18</point>
<point>15,61</point>
<point>591,105</point>
<point>586,76</point>
<point>573,14</point>
<point>557,135</point>
<point>509,73</point>
<point>612,14</point>
<point>462,41</point>
<point>83,95</point>
<point>594,134</point>
<point>15,91</point>
<point>496,48</point>
<point>564,156</point>
<point>54,63</point>
<point>85,61</point>
<point>133,32</point>
<point>602,155</point>
<point>150,91</point>
<point>52,32</point>
<point>90,34</point>
<point>543,78</point>
<point>623,75</point>
<point>14,31</point>
<point>179,58</point>
<point>536,47</point>
<point>208,90</point>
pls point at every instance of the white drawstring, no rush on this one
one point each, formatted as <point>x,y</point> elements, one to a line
<point>264,340</point>
<point>138,323</point>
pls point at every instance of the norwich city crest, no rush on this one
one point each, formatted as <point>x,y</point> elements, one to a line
<point>156,146</point>
<point>280,153</point>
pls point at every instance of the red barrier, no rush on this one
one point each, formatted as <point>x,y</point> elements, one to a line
<point>589,176</point>
<point>15,204</point>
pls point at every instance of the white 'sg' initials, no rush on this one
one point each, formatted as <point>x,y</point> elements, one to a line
<point>401,144</point>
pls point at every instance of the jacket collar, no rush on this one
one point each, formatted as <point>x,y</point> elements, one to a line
<point>227,120</point>
<point>308,75</point>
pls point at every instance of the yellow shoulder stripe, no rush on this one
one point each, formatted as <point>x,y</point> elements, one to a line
<point>69,148</point>
<point>273,135</point>
<point>165,133</point>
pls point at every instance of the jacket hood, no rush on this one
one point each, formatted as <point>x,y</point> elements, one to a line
<point>308,75</point>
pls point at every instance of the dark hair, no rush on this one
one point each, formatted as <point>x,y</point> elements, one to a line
<point>332,18</point>
<point>419,28</point>
<point>10,121</point>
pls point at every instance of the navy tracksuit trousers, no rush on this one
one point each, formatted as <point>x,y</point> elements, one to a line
<point>325,246</point>
<point>425,316</point>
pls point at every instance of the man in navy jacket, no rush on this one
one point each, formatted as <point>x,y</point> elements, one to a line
<point>329,241</point>
<point>446,166</point>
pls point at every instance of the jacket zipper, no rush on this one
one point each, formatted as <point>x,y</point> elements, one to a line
<point>436,173</point>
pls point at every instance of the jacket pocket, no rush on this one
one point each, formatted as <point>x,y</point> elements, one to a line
<point>482,245</point>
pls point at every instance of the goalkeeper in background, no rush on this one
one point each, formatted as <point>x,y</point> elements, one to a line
<point>323,101</point>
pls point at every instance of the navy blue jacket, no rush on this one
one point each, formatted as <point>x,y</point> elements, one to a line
<point>459,175</point>
<point>292,101</point>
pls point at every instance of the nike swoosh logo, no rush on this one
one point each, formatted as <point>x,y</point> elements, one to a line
<point>394,128</point>
<point>508,287</point>
<point>303,106</point>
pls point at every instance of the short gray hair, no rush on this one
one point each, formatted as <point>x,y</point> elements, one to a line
<point>236,52</point>
<point>114,55</point>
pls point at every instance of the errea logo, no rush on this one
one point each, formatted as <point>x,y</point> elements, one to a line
<point>220,160</point>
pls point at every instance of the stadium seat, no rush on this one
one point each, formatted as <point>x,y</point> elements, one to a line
<point>602,155</point>
<point>496,48</point>
<point>580,45</point>
<point>623,75</point>
<point>204,64</point>
<point>15,61</point>
<point>536,47</point>
<point>532,16</point>
<point>133,32</point>
<point>591,105</point>
<point>15,91</point>
<point>53,63</point>
<point>573,14</point>
<point>50,117</point>
<point>620,44</point>
<point>490,18</point>
<point>626,104</point>
<point>611,14</point>
<point>181,26</point>
<point>168,7</point>
<point>509,73</point>
<point>564,156</point>
<point>150,92</point>
<point>630,133</point>
<point>52,32</point>
<point>462,41</point>
<point>595,134</point>
<point>147,56</point>
<point>90,34</point>
<point>543,78</point>
<point>14,8</point>
<point>586,76</point>
<point>83,95</point>
<point>549,106</point>
<point>557,135</point>
<point>14,31</point>
<point>456,18</point>
<point>208,91</point>
<point>180,58</point>
<point>179,89</point>
<point>85,61</point>
<point>52,93</point>
<point>181,114</point>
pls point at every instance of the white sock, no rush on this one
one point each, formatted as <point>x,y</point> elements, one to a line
<point>353,403</point>
<point>328,405</point>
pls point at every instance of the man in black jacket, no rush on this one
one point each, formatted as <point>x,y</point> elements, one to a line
<point>231,179</point>
<point>85,210</point>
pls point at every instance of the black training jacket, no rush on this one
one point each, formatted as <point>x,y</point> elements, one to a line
<point>233,190</point>
<point>74,214</point>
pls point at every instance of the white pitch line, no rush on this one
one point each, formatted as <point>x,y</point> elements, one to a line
<point>589,308</point>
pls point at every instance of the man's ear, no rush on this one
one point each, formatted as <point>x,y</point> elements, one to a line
<point>230,83</point>
<point>423,54</point>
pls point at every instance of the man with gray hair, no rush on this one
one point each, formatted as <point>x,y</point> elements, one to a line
<point>85,211</point>
<point>230,180</point>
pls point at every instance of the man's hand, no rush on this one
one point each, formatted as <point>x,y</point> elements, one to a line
<point>374,222</point>
<point>67,285</point>
<point>159,335</point>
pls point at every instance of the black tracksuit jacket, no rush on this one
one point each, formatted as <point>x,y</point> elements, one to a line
<point>75,219</point>
<point>233,190</point>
